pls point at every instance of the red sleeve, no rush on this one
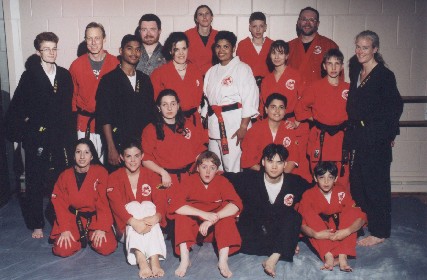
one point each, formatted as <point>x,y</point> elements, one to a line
<point>307,210</point>
<point>180,195</point>
<point>294,154</point>
<point>250,155</point>
<point>149,142</point>
<point>304,104</point>
<point>229,194</point>
<point>159,198</point>
<point>61,203</point>
<point>104,218</point>
<point>115,193</point>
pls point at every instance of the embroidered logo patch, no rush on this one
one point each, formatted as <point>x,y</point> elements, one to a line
<point>290,84</point>
<point>316,153</point>
<point>110,189</point>
<point>187,133</point>
<point>289,199</point>
<point>286,142</point>
<point>146,190</point>
<point>341,196</point>
<point>317,50</point>
<point>344,94</point>
<point>228,81</point>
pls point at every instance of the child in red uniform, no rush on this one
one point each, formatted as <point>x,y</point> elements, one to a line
<point>270,130</point>
<point>206,204</point>
<point>254,51</point>
<point>324,103</point>
<point>139,208</point>
<point>330,218</point>
<point>82,212</point>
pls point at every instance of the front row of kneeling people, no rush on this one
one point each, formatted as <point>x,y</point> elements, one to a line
<point>254,212</point>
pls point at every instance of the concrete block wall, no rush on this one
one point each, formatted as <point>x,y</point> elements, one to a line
<point>399,23</point>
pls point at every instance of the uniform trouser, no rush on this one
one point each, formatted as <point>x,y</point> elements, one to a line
<point>96,140</point>
<point>151,243</point>
<point>230,161</point>
<point>224,232</point>
<point>371,187</point>
<point>279,236</point>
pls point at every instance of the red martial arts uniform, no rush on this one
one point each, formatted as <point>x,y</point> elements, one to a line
<point>198,53</point>
<point>314,204</point>
<point>91,197</point>
<point>309,63</point>
<point>85,86</point>
<point>259,136</point>
<point>215,197</point>
<point>120,193</point>
<point>258,62</point>
<point>327,105</point>
<point>176,151</point>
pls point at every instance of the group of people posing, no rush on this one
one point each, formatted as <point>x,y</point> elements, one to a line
<point>249,151</point>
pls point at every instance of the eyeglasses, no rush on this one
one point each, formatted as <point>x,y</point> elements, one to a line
<point>310,20</point>
<point>48,50</point>
<point>94,39</point>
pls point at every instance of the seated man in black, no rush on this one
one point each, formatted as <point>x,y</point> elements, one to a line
<point>269,225</point>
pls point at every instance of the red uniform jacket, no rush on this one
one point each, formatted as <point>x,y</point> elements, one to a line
<point>189,89</point>
<point>290,85</point>
<point>91,197</point>
<point>309,63</point>
<point>120,193</point>
<point>327,104</point>
<point>258,62</point>
<point>176,150</point>
<point>198,53</point>
<point>85,85</point>
<point>193,192</point>
<point>259,136</point>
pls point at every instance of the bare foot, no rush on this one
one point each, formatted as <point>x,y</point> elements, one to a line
<point>37,233</point>
<point>223,263</point>
<point>343,263</point>
<point>297,250</point>
<point>370,241</point>
<point>269,264</point>
<point>144,268</point>
<point>155,267</point>
<point>185,261</point>
<point>329,262</point>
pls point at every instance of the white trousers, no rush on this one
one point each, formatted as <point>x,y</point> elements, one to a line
<point>96,140</point>
<point>231,161</point>
<point>151,243</point>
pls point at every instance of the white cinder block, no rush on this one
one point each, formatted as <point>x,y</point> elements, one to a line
<point>423,151</point>
<point>398,7</point>
<point>167,28</point>
<point>167,7</point>
<point>119,27</point>
<point>418,87</point>
<point>183,23</point>
<point>408,31</point>
<point>5,85</point>
<point>30,28</point>
<point>364,7</point>
<point>243,28</point>
<point>293,7</point>
<point>46,8</point>
<point>398,61</point>
<point>77,8</point>
<point>137,8</point>
<point>333,7</point>
<point>225,23</point>
<point>346,28</point>
<point>271,7</point>
<point>419,134</point>
<point>2,36</point>
<point>1,9</point>
<point>107,8</point>
<point>24,8</point>
<point>213,4</point>
<point>415,112</point>
<point>283,27</point>
<point>235,7</point>
<point>403,85</point>
<point>419,69</point>
<point>67,29</point>
<point>385,27</point>
<point>406,156</point>
<point>326,26</point>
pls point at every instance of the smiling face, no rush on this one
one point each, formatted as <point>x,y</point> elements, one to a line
<point>308,23</point>
<point>132,158</point>
<point>150,33</point>
<point>169,108</point>
<point>274,167</point>
<point>94,40</point>
<point>83,156</point>
<point>276,110</point>
<point>180,52</point>
<point>364,50</point>
<point>325,182</point>
<point>333,67</point>
<point>224,51</point>
<point>257,28</point>
<point>204,17</point>
<point>131,53</point>
<point>279,57</point>
<point>207,171</point>
<point>48,51</point>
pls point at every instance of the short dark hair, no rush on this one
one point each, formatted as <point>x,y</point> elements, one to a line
<point>325,166</point>
<point>257,16</point>
<point>150,17</point>
<point>278,45</point>
<point>89,143</point>
<point>275,96</point>
<point>275,149</point>
<point>131,143</point>
<point>170,44</point>
<point>310,9</point>
<point>197,9</point>
<point>226,35</point>
<point>95,25</point>
<point>329,54</point>
<point>129,38</point>
<point>45,37</point>
<point>208,155</point>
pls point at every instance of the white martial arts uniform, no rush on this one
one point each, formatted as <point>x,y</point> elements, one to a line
<point>151,243</point>
<point>225,85</point>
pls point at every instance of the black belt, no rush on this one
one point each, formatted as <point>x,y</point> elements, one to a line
<point>82,230</point>
<point>180,171</point>
<point>289,115</point>
<point>91,118</point>
<point>335,218</point>
<point>224,108</point>
<point>190,113</point>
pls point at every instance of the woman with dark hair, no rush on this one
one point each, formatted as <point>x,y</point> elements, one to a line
<point>202,38</point>
<point>171,143</point>
<point>83,214</point>
<point>374,106</point>
<point>233,97</point>
<point>180,75</point>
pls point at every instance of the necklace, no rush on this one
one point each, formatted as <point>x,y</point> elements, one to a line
<point>185,67</point>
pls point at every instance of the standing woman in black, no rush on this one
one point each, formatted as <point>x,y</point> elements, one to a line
<point>374,107</point>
